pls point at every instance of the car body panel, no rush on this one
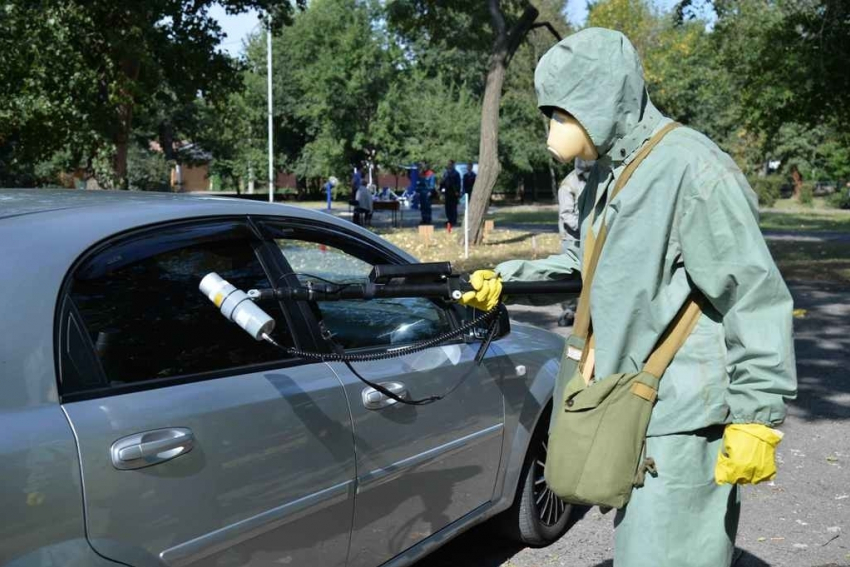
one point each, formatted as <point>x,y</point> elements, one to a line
<point>270,448</point>
<point>420,468</point>
<point>41,494</point>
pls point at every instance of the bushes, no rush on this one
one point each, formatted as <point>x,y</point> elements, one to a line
<point>767,189</point>
<point>840,199</point>
<point>147,170</point>
<point>807,194</point>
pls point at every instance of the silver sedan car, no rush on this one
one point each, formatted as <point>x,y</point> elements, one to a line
<point>141,428</point>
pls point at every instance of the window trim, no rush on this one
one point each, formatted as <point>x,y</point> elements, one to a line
<point>65,308</point>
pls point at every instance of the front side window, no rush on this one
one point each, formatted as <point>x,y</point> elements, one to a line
<point>359,324</point>
<point>141,307</point>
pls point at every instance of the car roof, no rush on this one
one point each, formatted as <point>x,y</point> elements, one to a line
<point>16,202</point>
<point>82,217</point>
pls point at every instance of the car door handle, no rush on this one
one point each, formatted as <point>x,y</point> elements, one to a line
<point>151,447</point>
<point>373,399</point>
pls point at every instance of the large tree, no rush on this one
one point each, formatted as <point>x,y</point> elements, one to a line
<point>80,70</point>
<point>494,31</point>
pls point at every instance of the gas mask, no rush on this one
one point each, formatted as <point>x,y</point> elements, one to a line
<point>568,139</point>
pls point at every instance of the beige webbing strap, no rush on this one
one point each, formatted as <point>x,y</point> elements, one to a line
<point>674,337</point>
<point>593,244</point>
<point>593,250</point>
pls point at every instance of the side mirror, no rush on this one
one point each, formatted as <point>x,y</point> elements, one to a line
<point>480,333</point>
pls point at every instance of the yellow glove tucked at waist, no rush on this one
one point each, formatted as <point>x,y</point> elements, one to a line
<point>488,287</point>
<point>748,454</point>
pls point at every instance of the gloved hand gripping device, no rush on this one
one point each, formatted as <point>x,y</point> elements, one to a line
<point>428,280</point>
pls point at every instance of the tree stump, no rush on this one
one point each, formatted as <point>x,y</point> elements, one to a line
<point>489,226</point>
<point>426,233</point>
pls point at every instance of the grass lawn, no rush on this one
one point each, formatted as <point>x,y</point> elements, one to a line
<point>526,214</point>
<point>806,221</point>
<point>812,261</point>
<point>500,245</point>
<point>313,204</point>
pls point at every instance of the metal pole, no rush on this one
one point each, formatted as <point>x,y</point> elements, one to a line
<point>269,81</point>
<point>466,225</point>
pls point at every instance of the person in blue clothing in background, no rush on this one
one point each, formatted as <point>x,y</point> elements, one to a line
<point>451,191</point>
<point>468,179</point>
<point>356,182</point>
<point>424,189</point>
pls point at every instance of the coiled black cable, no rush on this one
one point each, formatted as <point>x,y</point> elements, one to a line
<point>339,356</point>
<point>490,317</point>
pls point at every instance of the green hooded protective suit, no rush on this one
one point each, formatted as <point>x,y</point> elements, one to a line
<point>686,220</point>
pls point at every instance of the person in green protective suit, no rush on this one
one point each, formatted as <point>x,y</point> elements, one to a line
<point>685,221</point>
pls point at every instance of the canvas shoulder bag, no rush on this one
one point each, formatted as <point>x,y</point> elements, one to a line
<point>597,432</point>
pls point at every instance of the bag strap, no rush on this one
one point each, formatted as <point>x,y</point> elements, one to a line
<point>675,335</point>
<point>593,246</point>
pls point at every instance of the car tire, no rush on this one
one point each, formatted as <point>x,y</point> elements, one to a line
<point>538,517</point>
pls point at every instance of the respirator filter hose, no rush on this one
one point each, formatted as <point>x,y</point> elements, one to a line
<point>486,317</point>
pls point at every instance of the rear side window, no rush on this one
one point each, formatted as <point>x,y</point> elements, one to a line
<point>140,306</point>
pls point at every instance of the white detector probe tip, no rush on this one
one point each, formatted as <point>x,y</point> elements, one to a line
<point>237,306</point>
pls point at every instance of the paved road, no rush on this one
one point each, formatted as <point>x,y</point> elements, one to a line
<point>780,235</point>
<point>800,519</point>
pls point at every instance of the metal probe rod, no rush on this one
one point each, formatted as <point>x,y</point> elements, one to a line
<point>439,290</point>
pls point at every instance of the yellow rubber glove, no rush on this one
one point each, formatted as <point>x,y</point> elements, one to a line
<point>488,287</point>
<point>748,454</point>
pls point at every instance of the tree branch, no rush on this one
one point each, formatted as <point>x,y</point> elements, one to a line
<point>520,30</point>
<point>549,27</point>
<point>497,19</point>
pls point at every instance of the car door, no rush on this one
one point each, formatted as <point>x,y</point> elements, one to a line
<point>419,468</point>
<point>199,445</point>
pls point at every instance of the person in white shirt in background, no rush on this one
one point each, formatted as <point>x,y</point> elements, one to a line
<point>363,211</point>
<point>568,224</point>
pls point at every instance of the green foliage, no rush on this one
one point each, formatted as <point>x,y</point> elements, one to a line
<point>840,199</point>
<point>399,81</point>
<point>749,83</point>
<point>75,73</point>
<point>331,69</point>
<point>424,119</point>
<point>147,170</point>
<point>522,128</point>
<point>807,194</point>
<point>789,59</point>
<point>767,188</point>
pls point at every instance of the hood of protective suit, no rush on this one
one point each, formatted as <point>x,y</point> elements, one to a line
<point>596,76</point>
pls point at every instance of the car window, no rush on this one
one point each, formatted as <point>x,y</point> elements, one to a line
<point>147,319</point>
<point>357,324</point>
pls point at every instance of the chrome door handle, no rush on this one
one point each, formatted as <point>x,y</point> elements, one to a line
<point>373,399</point>
<point>151,447</point>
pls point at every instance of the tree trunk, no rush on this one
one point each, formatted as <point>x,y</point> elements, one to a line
<point>119,161</point>
<point>797,178</point>
<point>121,139</point>
<point>91,178</point>
<point>553,180</point>
<point>505,44</point>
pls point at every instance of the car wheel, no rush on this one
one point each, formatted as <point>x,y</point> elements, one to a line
<point>538,517</point>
